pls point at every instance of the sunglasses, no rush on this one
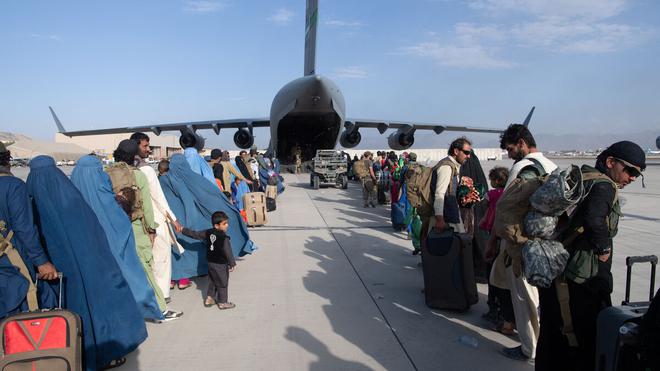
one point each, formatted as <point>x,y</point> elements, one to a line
<point>465,152</point>
<point>629,169</point>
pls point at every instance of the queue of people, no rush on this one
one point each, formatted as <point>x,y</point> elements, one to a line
<point>122,236</point>
<point>514,303</point>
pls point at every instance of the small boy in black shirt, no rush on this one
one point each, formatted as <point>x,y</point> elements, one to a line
<point>220,259</point>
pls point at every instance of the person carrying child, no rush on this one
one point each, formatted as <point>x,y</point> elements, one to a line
<point>219,257</point>
<point>500,308</point>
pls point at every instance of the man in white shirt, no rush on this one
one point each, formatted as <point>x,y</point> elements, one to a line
<point>445,204</point>
<point>520,145</point>
<point>164,240</point>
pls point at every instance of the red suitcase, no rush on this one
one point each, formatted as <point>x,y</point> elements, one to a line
<point>44,340</point>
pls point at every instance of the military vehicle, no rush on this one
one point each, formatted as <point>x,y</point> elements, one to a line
<point>329,169</point>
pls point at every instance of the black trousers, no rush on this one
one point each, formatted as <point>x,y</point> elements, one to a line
<point>218,282</point>
<point>553,351</point>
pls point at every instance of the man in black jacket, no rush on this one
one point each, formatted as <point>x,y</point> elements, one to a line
<point>598,217</point>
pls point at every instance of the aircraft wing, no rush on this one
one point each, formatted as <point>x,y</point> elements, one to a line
<point>192,126</point>
<point>410,126</point>
<point>383,125</point>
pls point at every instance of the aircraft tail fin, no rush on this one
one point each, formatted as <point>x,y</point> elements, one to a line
<point>60,128</point>
<point>529,117</point>
<point>311,20</point>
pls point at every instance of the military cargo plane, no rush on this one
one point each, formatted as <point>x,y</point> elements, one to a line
<point>307,114</point>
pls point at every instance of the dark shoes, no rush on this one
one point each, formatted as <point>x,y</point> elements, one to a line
<point>515,353</point>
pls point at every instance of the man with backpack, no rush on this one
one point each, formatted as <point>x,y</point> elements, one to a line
<point>164,239</point>
<point>529,163</point>
<point>131,184</point>
<point>569,329</point>
<point>364,172</point>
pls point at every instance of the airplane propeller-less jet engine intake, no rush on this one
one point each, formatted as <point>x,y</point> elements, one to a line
<point>400,139</point>
<point>350,139</point>
<point>243,138</point>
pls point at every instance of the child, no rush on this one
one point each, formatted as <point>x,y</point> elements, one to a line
<point>220,259</point>
<point>500,311</point>
<point>163,167</point>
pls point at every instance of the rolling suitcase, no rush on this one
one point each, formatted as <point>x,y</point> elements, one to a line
<point>449,281</point>
<point>254,204</point>
<point>617,341</point>
<point>48,340</point>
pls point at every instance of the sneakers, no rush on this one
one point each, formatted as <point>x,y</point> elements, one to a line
<point>170,315</point>
<point>515,353</point>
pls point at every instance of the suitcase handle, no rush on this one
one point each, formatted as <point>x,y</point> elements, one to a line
<point>60,277</point>
<point>632,260</point>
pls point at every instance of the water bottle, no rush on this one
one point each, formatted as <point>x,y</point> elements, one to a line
<point>469,341</point>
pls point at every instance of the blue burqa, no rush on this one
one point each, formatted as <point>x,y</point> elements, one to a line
<point>193,200</point>
<point>94,286</point>
<point>199,165</point>
<point>16,212</point>
<point>95,186</point>
<point>237,192</point>
<point>264,175</point>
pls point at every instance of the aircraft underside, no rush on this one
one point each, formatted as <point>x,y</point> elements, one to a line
<point>308,132</point>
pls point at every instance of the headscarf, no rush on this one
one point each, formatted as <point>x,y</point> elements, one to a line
<point>193,200</point>
<point>94,286</point>
<point>95,186</point>
<point>198,165</point>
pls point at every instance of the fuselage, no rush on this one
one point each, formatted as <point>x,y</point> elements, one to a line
<point>306,115</point>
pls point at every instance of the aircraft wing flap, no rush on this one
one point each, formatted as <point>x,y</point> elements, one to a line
<point>215,125</point>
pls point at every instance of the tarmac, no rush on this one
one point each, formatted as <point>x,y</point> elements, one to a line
<point>333,287</point>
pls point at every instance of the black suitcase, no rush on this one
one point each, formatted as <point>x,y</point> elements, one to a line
<point>271,204</point>
<point>617,339</point>
<point>449,281</point>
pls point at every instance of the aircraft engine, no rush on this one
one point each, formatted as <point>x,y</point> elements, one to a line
<point>657,142</point>
<point>400,140</point>
<point>243,139</point>
<point>350,139</point>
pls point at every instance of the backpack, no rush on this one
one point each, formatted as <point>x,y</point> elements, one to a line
<point>6,248</point>
<point>360,169</point>
<point>514,204</point>
<point>123,182</point>
<point>420,186</point>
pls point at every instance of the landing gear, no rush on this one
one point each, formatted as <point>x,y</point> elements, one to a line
<point>316,181</point>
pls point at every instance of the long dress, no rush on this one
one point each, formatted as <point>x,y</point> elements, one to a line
<point>94,286</point>
<point>16,213</point>
<point>95,186</point>
<point>194,199</point>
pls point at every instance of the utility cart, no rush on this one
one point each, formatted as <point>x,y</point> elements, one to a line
<point>330,169</point>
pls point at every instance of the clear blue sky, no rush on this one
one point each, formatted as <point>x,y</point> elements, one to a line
<point>588,65</point>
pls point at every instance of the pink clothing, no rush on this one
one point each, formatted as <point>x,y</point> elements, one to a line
<point>493,196</point>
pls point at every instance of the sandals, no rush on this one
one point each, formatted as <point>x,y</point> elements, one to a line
<point>184,286</point>
<point>115,363</point>
<point>209,302</point>
<point>226,305</point>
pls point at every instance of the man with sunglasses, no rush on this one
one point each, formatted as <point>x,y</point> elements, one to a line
<point>529,163</point>
<point>616,167</point>
<point>447,178</point>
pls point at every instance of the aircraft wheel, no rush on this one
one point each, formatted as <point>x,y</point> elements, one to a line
<point>344,181</point>
<point>316,182</point>
<point>311,180</point>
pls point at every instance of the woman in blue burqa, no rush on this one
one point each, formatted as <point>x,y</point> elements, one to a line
<point>94,286</point>
<point>193,200</point>
<point>94,185</point>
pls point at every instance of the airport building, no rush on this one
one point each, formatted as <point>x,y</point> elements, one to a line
<point>104,144</point>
